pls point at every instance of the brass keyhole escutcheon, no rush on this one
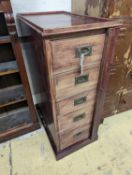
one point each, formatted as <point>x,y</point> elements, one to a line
<point>81,79</point>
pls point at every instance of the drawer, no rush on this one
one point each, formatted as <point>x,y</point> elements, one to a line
<point>84,100</point>
<point>65,51</point>
<point>75,119</point>
<point>73,136</point>
<point>67,85</point>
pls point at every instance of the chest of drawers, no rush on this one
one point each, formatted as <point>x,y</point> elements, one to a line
<point>69,58</point>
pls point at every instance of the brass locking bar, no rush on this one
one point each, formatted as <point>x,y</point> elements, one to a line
<point>80,53</point>
<point>78,134</point>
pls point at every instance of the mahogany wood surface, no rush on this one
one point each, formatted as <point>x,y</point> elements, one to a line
<point>53,50</point>
<point>75,119</point>
<point>73,136</point>
<point>66,82</point>
<point>67,52</point>
<point>72,24</point>
<point>67,105</point>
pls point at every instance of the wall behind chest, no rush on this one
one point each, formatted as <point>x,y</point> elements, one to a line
<point>41,5</point>
<point>119,92</point>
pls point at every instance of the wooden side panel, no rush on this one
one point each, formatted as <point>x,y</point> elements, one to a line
<point>108,55</point>
<point>36,51</point>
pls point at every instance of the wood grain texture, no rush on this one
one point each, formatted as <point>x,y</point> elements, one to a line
<point>79,6</point>
<point>11,95</point>
<point>73,136</point>
<point>68,105</point>
<point>67,95</point>
<point>65,83</point>
<point>123,54</point>
<point>108,54</point>
<point>88,7</point>
<point>75,119</point>
<point>120,10</point>
<point>64,53</point>
<point>72,23</point>
<point>14,119</point>
<point>23,74</point>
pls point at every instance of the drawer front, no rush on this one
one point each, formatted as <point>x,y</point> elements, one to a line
<point>84,100</point>
<point>66,52</point>
<point>75,119</point>
<point>71,84</point>
<point>71,137</point>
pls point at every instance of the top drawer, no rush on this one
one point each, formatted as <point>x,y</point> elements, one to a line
<point>66,52</point>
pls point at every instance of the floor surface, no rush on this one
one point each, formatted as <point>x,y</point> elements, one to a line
<point>110,155</point>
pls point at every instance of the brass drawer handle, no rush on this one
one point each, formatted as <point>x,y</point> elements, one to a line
<point>78,134</point>
<point>84,50</point>
<point>79,101</point>
<point>81,79</point>
<point>79,117</point>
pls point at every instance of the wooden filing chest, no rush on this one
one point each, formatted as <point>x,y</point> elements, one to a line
<point>69,57</point>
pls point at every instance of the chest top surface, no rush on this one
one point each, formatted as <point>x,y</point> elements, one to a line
<point>64,22</point>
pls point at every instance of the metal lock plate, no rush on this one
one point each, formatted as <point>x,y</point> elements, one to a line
<point>78,134</point>
<point>79,101</point>
<point>81,79</point>
<point>79,117</point>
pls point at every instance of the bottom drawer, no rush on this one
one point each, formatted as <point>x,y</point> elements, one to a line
<point>71,137</point>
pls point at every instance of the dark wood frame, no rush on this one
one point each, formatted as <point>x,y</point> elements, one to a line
<point>107,23</point>
<point>5,6</point>
<point>112,30</point>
